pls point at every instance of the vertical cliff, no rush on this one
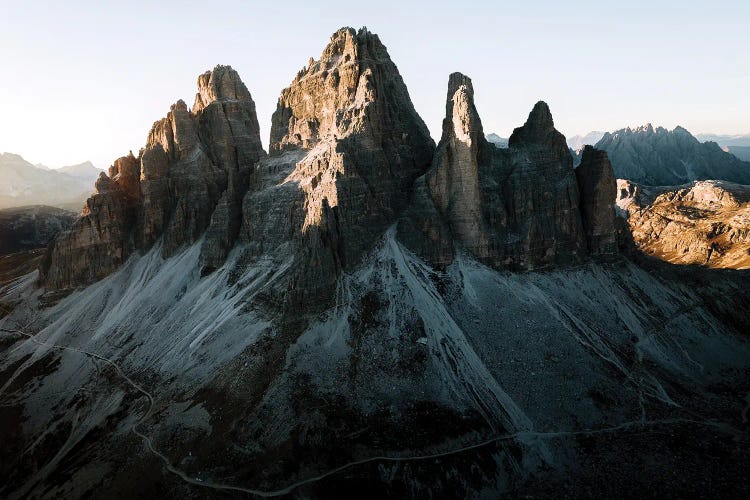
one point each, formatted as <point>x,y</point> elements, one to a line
<point>190,177</point>
<point>513,208</point>
<point>598,188</point>
<point>346,147</point>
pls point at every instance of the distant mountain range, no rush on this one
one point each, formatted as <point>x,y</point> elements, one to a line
<point>725,140</point>
<point>495,139</point>
<point>579,141</point>
<point>661,157</point>
<point>28,184</point>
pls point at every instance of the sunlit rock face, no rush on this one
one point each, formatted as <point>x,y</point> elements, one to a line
<point>349,144</point>
<point>188,180</point>
<point>705,222</point>
<point>454,178</point>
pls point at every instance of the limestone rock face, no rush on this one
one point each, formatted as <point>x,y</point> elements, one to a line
<point>598,190</point>
<point>188,180</point>
<point>454,178</point>
<point>515,207</point>
<point>101,239</point>
<point>704,223</point>
<point>358,145</point>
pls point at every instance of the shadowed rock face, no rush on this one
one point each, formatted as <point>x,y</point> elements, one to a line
<point>101,239</point>
<point>189,179</point>
<point>515,208</point>
<point>29,228</point>
<point>598,190</point>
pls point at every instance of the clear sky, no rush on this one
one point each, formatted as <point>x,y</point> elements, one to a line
<point>86,79</point>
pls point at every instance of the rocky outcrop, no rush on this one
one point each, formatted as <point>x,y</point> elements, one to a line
<point>101,239</point>
<point>349,157</point>
<point>347,146</point>
<point>513,208</point>
<point>598,189</point>
<point>705,222</point>
<point>188,180</point>
<point>659,157</point>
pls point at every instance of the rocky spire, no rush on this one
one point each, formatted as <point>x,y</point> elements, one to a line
<point>598,191</point>
<point>190,177</point>
<point>511,208</point>
<point>454,177</point>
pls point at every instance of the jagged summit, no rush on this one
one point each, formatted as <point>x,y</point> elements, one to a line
<point>659,157</point>
<point>348,149</point>
<point>516,208</point>
<point>539,129</point>
<point>189,178</point>
<point>221,83</point>
<point>353,72</point>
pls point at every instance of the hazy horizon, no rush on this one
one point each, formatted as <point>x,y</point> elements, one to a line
<point>84,81</point>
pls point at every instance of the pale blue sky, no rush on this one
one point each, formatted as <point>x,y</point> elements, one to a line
<point>85,80</point>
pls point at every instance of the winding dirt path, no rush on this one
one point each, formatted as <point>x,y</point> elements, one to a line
<point>380,458</point>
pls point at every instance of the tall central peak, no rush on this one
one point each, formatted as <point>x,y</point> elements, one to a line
<point>353,88</point>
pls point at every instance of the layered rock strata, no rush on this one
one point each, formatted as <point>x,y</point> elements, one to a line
<point>517,207</point>
<point>190,177</point>
<point>704,223</point>
<point>597,187</point>
<point>346,147</point>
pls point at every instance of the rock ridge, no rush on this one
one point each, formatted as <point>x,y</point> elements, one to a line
<point>513,208</point>
<point>350,157</point>
<point>188,180</point>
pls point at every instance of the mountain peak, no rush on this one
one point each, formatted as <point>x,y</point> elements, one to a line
<point>539,129</point>
<point>222,82</point>
<point>456,80</point>
<point>541,114</point>
<point>332,97</point>
<point>659,157</point>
